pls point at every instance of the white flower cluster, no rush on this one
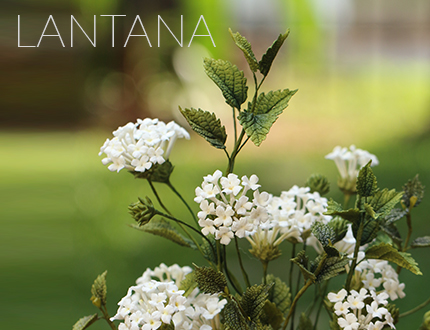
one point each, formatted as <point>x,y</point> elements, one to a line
<point>353,313</point>
<point>350,161</point>
<point>291,214</point>
<point>138,146</point>
<point>226,210</point>
<point>153,302</point>
<point>374,273</point>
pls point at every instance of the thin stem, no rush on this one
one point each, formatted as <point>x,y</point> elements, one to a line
<point>158,197</point>
<point>296,298</point>
<point>409,222</point>
<point>293,255</point>
<point>324,291</point>
<point>234,124</point>
<point>169,184</point>
<point>243,144</point>
<point>413,310</point>
<point>245,275</point>
<point>354,260</point>
<point>232,279</point>
<point>235,152</point>
<point>106,317</point>
<point>346,199</point>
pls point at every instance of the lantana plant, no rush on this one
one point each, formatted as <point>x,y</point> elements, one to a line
<point>360,245</point>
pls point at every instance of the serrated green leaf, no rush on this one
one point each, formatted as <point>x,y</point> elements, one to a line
<point>157,173</point>
<point>188,284</point>
<point>387,252</point>
<point>207,125</point>
<point>421,242</point>
<point>279,294</point>
<point>210,280</point>
<point>392,232</point>
<point>334,209</point>
<point>370,231</point>
<point>302,261</point>
<point>340,228</point>
<point>253,300</point>
<point>323,233</point>
<point>272,315</point>
<point>318,183</point>
<point>233,318</point>
<point>384,201</point>
<point>229,79</point>
<point>99,290</point>
<point>272,51</point>
<point>259,117</point>
<point>332,267</point>
<point>370,211</point>
<point>366,181</point>
<point>245,47</point>
<point>305,323</point>
<point>84,322</point>
<point>163,228</point>
<point>395,215</point>
<point>413,192</point>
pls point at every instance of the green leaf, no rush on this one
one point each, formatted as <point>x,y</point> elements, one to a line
<point>157,173</point>
<point>245,47</point>
<point>318,183</point>
<point>84,322</point>
<point>366,181</point>
<point>163,228</point>
<point>99,290</point>
<point>340,227</point>
<point>210,280</point>
<point>279,294</point>
<point>323,233</point>
<point>384,201</point>
<point>188,284</point>
<point>305,323</point>
<point>209,253</point>
<point>370,231</point>
<point>302,261</point>
<point>272,51</point>
<point>387,252</point>
<point>207,125</point>
<point>259,117</point>
<point>233,317</point>
<point>272,315</point>
<point>395,215</point>
<point>229,79</point>
<point>413,192</point>
<point>332,267</point>
<point>392,231</point>
<point>370,211</point>
<point>421,242</point>
<point>334,209</point>
<point>254,299</point>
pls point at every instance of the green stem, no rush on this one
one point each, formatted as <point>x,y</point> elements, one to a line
<point>296,298</point>
<point>293,255</point>
<point>324,291</point>
<point>346,199</point>
<point>409,223</point>
<point>169,184</point>
<point>158,197</point>
<point>103,309</point>
<point>424,304</point>
<point>245,275</point>
<point>234,124</point>
<point>354,260</point>
<point>235,152</point>
<point>232,279</point>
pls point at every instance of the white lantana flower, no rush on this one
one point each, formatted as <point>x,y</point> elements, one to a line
<point>138,146</point>
<point>156,300</point>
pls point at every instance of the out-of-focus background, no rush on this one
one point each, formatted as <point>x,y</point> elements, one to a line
<point>362,68</point>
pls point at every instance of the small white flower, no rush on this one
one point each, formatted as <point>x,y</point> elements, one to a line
<point>349,322</point>
<point>335,297</point>
<point>224,234</point>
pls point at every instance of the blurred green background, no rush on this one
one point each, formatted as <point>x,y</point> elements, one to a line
<point>362,68</point>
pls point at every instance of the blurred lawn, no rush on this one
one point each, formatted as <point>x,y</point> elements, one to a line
<point>64,216</point>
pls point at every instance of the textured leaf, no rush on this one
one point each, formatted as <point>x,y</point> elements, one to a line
<point>302,261</point>
<point>272,51</point>
<point>384,201</point>
<point>279,294</point>
<point>229,79</point>
<point>340,227</point>
<point>318,183</point>
<point>334,209</point>
<point>84,322</point>
<point>163,228</point>
<point>254,299</point>
<point>395,215</point>
<point>99,290</point>
<point>210,280</point>
<point>157,173</point>
<point>370,212</point>
<point>233,318</point>
<point>413,192</point>
<point>387,252</point>
<point>245,47</point>
<point>366,182</point>
<point>188,284</point>
<point>259,117</point>
<point>332,267</point>
<point>323,233</point>
<point>421,242</point>
<point>305,323</point>
<point>209,253</point>
<point>392,231</point>
<point>272,315</point>
<point>206,125</point>
<point>370,231</point>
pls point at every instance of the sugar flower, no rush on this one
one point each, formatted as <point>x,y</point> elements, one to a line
<point>141,145</point>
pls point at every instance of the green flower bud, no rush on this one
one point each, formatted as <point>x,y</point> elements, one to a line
<point>142,211</point>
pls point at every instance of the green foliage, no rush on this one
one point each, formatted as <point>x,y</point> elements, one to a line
<point>261,114</point>
<point>387,252</point>
<point>209,253</point>
<point>254,299</point>
<point>324,233</point>
<point>421,242</point>
<point>384,201</point>
<point>302,261</point>
<point>84,322</point>
<point>339,227</point>
<point>142,211</point>
<point>210,280</point>
<point>163,228</point>
<point>305,323</point>
<point>157,172</point>
<point>328,267</point>
<point>272,315</point>
<point>229,79</point>
<point>366,181</point>
<point>207,125</point>
<point>279,294</point>
<point>370,231</point>
<point>335,209</point>
<point>413,193</point>
<point>318,183</point>
<point>188,284</point>
<point>99,290</point>
<point>334,325</point>
<point>245,47</point>
<point>272,51</point>
<point>426,322</point>
<point>233,317</point>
